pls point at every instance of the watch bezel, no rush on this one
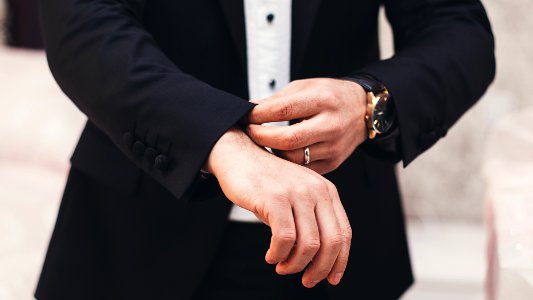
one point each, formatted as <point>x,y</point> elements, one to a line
<point>375,100</point>
<point>378,121</point>
<point>377,96</point>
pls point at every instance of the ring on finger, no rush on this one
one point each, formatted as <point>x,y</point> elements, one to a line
<point>307,156</point>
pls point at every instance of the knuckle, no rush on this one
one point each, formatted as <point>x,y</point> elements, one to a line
<point>336,240</point>
<point>327,95</point>
<point>285,110</point>
<point>293,140</point>
<point>317,186</point>
<point>280,196</point>
<point>311,246</point>
<point>347,235</point>
<point>301,190</point>
<point>319,182</point>
<point>322,188</point>
<point>331,186</point>
<point>287,236</point>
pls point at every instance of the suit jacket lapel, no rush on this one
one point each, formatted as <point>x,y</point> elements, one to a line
<point>303,16</point>
<point>234,13</point>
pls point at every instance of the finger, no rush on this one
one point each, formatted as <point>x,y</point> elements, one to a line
<point>307,240</point>
<point>298,105</point>
<point>283,234</point>
<point>330,241</point>
<point>319,151</point>
<point>286,91</point>
<point>292,137</point>
<point>335,276</point>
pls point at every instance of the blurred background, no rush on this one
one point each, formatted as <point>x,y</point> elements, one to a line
<point>469,199</point>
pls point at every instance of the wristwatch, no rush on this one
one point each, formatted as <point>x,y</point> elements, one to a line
<point>380,115</point>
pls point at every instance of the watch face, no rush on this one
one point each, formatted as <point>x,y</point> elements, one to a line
<point>383,116</point>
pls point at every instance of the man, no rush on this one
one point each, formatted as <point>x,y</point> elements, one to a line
<point>171,138</point>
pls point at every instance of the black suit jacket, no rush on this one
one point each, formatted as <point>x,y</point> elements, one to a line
<point>162,80</point>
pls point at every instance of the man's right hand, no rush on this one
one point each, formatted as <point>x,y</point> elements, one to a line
<point>308,222</point>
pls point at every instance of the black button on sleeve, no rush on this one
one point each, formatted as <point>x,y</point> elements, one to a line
<point>270,18</point>
<point>150,154</point>
<point>138,148</point>
<point>161,162</point>
<point>128,139</point>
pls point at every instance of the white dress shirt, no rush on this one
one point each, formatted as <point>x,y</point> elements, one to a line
<point>268,43</point>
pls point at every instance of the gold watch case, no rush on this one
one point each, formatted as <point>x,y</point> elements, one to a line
<point>376,117</point>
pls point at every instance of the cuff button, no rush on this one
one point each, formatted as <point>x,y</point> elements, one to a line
<point>138,148</point>
<point>150,154</point>
<point>161,162</point>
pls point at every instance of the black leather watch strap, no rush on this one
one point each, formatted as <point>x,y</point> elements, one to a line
<point>369,83</point>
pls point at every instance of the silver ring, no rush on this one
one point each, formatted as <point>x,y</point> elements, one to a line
<point>307,156</point>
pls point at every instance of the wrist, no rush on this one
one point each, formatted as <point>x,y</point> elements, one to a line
<point>380,111</point>
<point>360,107</point>
<point>227,145</point>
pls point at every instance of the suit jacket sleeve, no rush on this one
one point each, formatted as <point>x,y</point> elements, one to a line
<point>443,64</point>
<point>110,66</point>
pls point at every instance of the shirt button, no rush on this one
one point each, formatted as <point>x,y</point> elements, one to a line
<point>272,83</point>
<point>270,18</point>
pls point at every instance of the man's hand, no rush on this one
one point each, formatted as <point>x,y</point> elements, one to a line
<point>332,123</point>
<point>303,209</point>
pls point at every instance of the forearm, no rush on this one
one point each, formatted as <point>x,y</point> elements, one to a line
<point>110,66</point>
<point>443,64</point>
<point>232,142</point>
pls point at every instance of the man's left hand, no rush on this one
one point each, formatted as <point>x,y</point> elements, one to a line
<point>331,122</point>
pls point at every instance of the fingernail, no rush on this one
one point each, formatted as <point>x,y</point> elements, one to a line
<point>337,278</point>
